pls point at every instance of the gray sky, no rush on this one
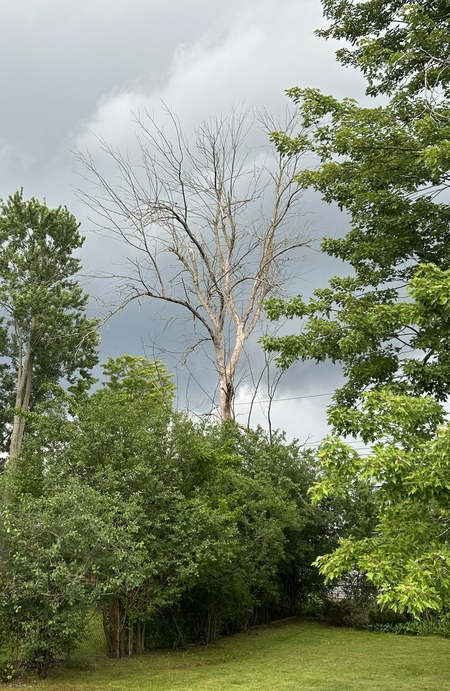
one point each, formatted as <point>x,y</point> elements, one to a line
<point>72,70</point>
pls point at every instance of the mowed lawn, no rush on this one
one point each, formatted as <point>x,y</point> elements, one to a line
<point>289,655</point>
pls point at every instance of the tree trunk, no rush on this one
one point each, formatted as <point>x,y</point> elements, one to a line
<point>23,396</point>
<point>114,626</point>
<point>226,397</point>
<point>130,638</point>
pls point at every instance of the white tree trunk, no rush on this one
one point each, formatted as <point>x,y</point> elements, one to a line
<point>216,226</point>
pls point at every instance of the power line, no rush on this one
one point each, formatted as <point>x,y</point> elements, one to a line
<point>292,398</point>
<point>365,449</point>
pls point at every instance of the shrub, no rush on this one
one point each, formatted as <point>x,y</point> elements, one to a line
<point>437,627</point>
<point>345,613</point>
<point>7,671</point>
<point>377,616</point>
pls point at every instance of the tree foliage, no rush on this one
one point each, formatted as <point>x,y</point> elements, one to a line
<point>176,531</point>
<point>399,46</point>
<point>47,545</point>
<point>45,335</point>
<point>388,167</point>
<point>407,556</point>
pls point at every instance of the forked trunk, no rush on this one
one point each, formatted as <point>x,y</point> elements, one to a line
<point>23,397</point>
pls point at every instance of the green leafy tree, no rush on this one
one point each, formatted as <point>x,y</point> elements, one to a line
<point>407,556</point>
<point>153,535</point>
<point>119,446</point>
<point>246,489</point>
<point>176,531</point>
<point>209,511</point>
<point>47,545</point>
<point>128,542</point>
<point>46,336</point>
<point>401,47</point>
<point>259,486</point>
<point>388,167</point>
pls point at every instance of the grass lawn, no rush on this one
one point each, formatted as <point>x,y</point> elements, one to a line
<point>289,655</point>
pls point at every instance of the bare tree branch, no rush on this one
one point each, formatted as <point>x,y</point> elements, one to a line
<point>213,227</point>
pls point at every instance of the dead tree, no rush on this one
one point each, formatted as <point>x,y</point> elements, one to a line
<point>213,227</point>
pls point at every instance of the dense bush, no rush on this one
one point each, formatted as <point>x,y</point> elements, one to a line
<point>177,532</point>
<point>7,671</point>
<point>385,616</point>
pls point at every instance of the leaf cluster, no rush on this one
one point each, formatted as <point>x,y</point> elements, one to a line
<point>407,555</point>
<point>43,322</point>
<point>398,45</point>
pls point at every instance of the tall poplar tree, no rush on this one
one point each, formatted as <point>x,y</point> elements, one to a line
<point>45,334</point>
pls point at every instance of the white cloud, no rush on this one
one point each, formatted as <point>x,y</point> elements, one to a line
<point>298,410</point>
<point>252,57</point>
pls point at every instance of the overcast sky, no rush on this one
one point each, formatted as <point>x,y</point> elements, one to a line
<point>74,70</point>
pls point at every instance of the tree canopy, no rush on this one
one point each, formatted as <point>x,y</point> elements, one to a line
<point>399,46</point>
<point>45,334</point>
<point>175,531</point>
<point>388,167</point>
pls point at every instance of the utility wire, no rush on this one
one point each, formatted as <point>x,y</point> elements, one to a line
<point>292,398</point>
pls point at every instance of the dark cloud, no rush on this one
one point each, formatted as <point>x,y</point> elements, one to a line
<point>71,69</point>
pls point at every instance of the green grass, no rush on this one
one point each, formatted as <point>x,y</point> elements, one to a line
<point>94,643</point>
<point>290,655</point>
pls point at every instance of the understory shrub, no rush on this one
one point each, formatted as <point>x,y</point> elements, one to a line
<point>7,671</point>
<point>436,627</point>
<point>378,616</point>
<point>363,614</point>
<point>346,613</point>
